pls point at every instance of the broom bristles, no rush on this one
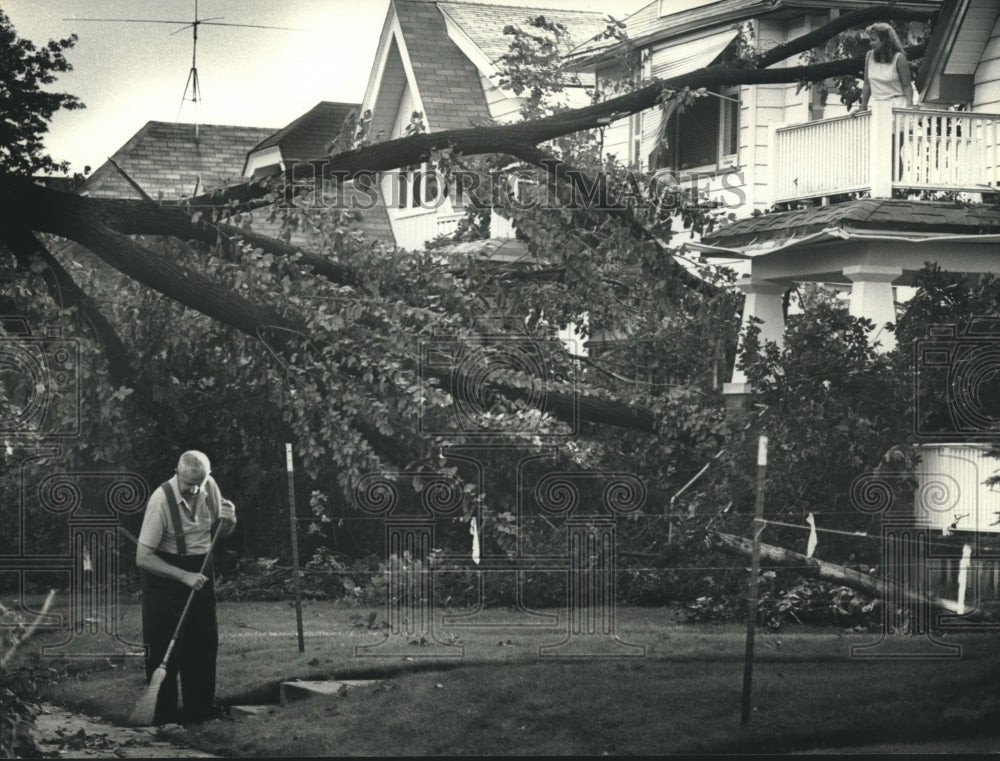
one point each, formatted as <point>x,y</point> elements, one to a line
<point>145,709</point>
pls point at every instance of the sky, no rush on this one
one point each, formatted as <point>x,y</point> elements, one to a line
<point>130,73</point>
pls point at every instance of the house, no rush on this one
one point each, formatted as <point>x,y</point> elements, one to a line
<point>873,245</point>
<point>442,60</point>
<point>722,141</point>
<point>962,58</point>
<point>308,137</point>
<point>324,129</point>
<point>439,60</point>
<point>170,161</point>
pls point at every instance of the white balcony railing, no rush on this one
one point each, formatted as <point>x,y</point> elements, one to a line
<point>422,207</point>
<point>415,230</point>
<point>883,149</point>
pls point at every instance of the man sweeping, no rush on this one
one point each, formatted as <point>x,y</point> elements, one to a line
<point>182,518</point>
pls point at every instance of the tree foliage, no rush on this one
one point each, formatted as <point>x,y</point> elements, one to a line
<point>26,107</point>
<point>235,343</point>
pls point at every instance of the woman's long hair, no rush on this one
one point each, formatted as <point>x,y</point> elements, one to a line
<point>891,44</point>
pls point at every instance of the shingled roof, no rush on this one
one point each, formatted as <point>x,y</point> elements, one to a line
<point>167,161</point>
<point>867,214</point>
<point>447,80</point>
<point>646,25</point>
<point>484,24</point>
<point>310,135</point>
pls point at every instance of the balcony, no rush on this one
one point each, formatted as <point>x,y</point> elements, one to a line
<point>885,149</point>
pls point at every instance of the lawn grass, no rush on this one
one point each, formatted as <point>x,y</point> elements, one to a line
<point>683,696</point>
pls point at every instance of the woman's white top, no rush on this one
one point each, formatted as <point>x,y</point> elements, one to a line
<point>883,79</point>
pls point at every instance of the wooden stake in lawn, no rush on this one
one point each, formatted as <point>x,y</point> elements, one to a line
<point>758,527</point>
<point>293,521</point>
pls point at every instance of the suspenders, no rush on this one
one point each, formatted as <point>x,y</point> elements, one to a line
<point>175,515</point>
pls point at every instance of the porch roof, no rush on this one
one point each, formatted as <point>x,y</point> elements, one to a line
<point>906,218</point>
<point>508,251</point>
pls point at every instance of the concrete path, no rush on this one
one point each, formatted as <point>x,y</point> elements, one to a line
<point>68,734</point>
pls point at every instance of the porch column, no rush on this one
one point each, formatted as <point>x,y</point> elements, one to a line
<point>881,158</point>
<point>871,297</point>
<point>763,301</point>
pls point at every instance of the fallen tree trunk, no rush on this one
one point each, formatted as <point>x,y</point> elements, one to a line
<point>513,137</point>
<point>825,571</point>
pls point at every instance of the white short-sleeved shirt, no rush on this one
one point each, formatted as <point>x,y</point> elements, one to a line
<point>883,79</point>
<point>196,520</point>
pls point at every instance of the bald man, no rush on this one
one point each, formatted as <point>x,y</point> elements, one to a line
<point>176,536</point>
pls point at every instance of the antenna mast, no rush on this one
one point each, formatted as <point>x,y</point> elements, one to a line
<point>192,80</point>
<point>192,83</point>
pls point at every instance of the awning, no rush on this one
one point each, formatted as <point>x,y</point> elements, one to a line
<point>672,60</point>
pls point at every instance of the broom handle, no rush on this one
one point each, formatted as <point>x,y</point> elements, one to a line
<point>190,599</point>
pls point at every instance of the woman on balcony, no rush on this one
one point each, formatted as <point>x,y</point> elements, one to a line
<point>887,72</point>
<point>888,78</point>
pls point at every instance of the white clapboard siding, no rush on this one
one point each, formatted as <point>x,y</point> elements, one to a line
<point>502,106</point>
<point>950,485</point>
<point>617,137</point>
<point>986,97</point>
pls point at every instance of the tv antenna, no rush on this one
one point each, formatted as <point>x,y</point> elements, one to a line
<point>192,85</point>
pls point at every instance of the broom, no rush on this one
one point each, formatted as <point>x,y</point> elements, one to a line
<point>145,709</point>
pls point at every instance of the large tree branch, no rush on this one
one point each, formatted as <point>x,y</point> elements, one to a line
<point>825,571</point>
<point>63,214</point>
<point>511,138</point>
<point>851,20</point>
<point>66,293</point>
<point>130,217</point>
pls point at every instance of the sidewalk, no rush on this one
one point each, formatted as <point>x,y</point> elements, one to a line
<point>72,735</point>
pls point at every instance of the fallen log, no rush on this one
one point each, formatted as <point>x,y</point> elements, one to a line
<point>826,571</point>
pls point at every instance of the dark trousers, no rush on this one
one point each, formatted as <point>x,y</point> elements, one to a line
<point>193,657</point>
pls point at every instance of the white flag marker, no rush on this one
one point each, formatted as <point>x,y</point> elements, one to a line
<point>811,545</point>
<point>963,577</point>
<point>475,540</point>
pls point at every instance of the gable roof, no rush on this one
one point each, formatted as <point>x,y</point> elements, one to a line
<point>447,81</point>
<point>310,135</point>
<point>167,161</point>
<point>954,49</point>
<point>647,26</point>
<point>445,52</point>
